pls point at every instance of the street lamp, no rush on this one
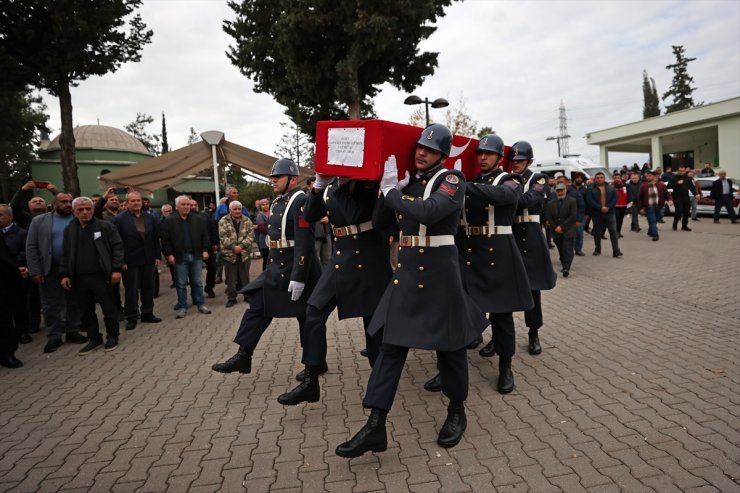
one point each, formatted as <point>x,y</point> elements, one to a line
<point>558,139</point>
<point>437,103</point>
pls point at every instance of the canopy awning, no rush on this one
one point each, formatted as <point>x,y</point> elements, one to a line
<point>171,168</point>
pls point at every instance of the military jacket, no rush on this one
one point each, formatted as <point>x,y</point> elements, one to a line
<point>293,263</point>
<point>493,269</point>
<point>359,269</point>
<point>425,306</point>
<point>229,237</point>
<point>529,236</point>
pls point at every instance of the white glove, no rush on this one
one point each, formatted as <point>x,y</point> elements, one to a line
<point>295,289</point>
<point>402,184</point>
<point>389,181</point>
<point>458,165</point>
<point>321,181</point>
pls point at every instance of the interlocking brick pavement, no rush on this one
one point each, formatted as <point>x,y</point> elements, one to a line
<point>637,389</point>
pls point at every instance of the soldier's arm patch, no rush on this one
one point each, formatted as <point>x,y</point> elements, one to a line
<point>511,184</point>
<point>538,186</point>
<point>302,223</point>
<point>448,189</point>
<point>452,179</point>
<point>406,197</point>
<point>541,181</point>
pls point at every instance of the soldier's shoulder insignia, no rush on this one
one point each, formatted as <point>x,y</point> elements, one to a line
<point>406,197</point>
<point>452,179</point>
<point>541,181</point>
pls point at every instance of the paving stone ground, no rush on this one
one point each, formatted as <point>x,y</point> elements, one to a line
<point>637,389</point>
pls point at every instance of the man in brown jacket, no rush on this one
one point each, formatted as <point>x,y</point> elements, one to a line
<point>561,220</point>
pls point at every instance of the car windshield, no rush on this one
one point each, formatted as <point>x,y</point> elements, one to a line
<point>592,172</point>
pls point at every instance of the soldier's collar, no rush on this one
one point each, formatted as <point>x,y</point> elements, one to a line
<point>430,172</point>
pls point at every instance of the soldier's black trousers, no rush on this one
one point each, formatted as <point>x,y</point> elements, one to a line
<point>383,383</point>
<point>533,317</point>
<point>504,334</point>
<point>254,323</point>
<point>314,333</point>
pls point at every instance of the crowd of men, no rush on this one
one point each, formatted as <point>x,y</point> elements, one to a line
<point>469,253</point>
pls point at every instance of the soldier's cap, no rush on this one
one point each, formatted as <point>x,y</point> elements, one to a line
<point>560,186</point>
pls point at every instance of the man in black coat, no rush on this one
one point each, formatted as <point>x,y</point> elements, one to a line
<point>92,261</point>
<point>139,232</point>
<point>281,291</point>
<point>14,238</point>
<point>723,194</point>
<point>357,274</point>
<point>601,200</point>
<point>529,237</point>
<point>633,188</point>
<point>682,189</point>
<point>13,270</point>
<point>425,305</point>
<point>562,215</point>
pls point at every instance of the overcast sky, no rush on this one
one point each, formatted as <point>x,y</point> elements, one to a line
<point>511,62</point>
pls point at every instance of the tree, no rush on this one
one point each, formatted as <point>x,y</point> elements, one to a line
<point>680,89</point>
<point>296,146</point>
<point>193,137</point>
<point>56,45</point>
<point>651,103</point>
<point>22,116</point>
<point>327,60</point>
<point>137,128</point>
<point>485,131</point>
<point>456,119</point>
<point>165,143</point>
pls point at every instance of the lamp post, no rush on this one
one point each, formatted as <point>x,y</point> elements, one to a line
<point>437,103</point>
<point>558,139</point>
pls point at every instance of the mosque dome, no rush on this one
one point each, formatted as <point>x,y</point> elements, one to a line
<point>103,137</point>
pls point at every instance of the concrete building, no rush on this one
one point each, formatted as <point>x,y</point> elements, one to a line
<point>692,137</point>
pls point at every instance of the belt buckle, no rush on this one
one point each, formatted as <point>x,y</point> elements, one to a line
<point>339,232</point>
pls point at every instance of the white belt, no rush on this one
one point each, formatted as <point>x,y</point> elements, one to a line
<point>280,244</point>
<point>488,230</point>
<point>427,241</point>
<point>527,218</point>
<point>352,229</point>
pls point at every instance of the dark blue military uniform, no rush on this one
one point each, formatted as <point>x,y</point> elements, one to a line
<point>425,305</point>
<point>493,270</point>
<point>292,258</point>
<point>359,271</point>
<point>531,242</point>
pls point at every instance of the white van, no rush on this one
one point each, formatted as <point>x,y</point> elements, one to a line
<point>568,166</point>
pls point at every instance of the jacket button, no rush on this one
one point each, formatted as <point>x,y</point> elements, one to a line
<point>272,260</point>
<point>486,207</point>
<point>492,264</point>
<point>400,216</point>
<point>423,182</point>
<point>357,252</point>
<point>395,281</point>
<point>524,251</point>
<point>339,252</point>
<point>280,251</point>
<point>421,286</point>
<point>282,275</point>
<point>524,239</point>
<point>354,237</point>
<point>282,264</point>
<point>359,266</point>
<point>421,267</point>
<point>421,250</point>
<point>490,249</point>
<point>470,249</point>
<point>398,266</point>
<point>336,266</point>
<point>467,263</point>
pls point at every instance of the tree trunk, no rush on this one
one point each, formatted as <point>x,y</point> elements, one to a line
<point>67,142</point>
<point>354,106</point>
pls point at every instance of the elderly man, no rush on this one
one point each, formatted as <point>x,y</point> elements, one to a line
<point>11,297</point>
<point>562,215</point>
<point>723,195</point>
<point>91,261</point>
<point>185,244</point>
<point>235,232</point>
<point>43,254</point>
<point>139,232</point>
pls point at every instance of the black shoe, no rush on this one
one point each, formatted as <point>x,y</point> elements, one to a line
<point>94,343</point>
<point>172,285</point>
<point>477,342</point>
<point>655,238</point>
<point>306,391</point>
<point>455,424</point>
<point>75,338</point>
<point>550,246</point>
<point>661,221</point>
<point>210,293</point>
<point>597,252</point>
<point>150,318</point>
<point>534,345</point>
<point>621,235</point>
<point>111,344</point>
<point>320,371</point>
<point>566,272</point>
<point>241,362</point>
<point>617,254</point>
<point>371,437</point>
<point>488,350</point>
<point>505,378</point>
<point>604,237</point>
<point>695,219</point>
<point>130,324</point>
<point>52,345</point>
<point>434,385</point>
<point>10,362</point>
<point>364,353</point>
<point>230,303</point>
<point>25,338</point>
<point>638,230</point>
<point>580,253</point>
<point>685,228</point>
<point>675,228</point>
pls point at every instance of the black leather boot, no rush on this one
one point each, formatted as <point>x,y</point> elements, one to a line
<point>477,342</point>
<point>534,342</point>
<point>320,371</point>
<point>505,376</point>
<point>241,362</point>
<point>370,438</point>
<point>488,350</point>
<point>455,424</point>
<point>434,385</point>
<point>308,390</point>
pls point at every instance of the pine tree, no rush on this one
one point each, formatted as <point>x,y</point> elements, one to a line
<point>651,103</point>
<point>165,144</point>
<point>137,128</point>
<point>680,89</point>
<point>193,137</point>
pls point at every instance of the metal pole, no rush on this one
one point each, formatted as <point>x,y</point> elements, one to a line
<point>426,107</point>
<point>215,174</point>
<point>557,139</point>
